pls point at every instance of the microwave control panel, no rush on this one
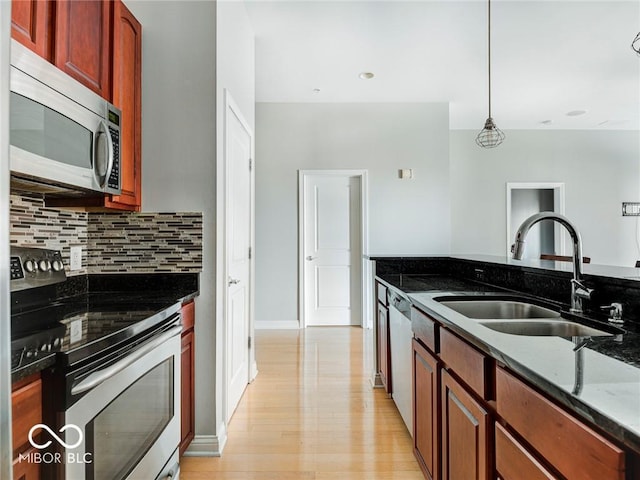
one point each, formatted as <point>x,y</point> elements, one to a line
<point>113,181</point>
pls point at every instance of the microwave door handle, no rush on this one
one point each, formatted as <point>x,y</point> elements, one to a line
<point>103,375</point>
<point>109,155</point>
<point>99,154</point>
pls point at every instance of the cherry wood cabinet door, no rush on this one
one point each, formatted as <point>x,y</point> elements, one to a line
<point>187,396</point>
<point>26,411</point>
<point>465,434</point>
<point>127,96</point>
<point>384,353</point>
<point>31,25</point>
<point>26,470</point>
<point>82,42</point>
<point>426,412</point>
<point>187,378</point>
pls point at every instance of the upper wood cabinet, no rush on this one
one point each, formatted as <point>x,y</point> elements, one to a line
<point>83,42</point>
<point>127,96</point>
<point>99,44</point>
<point>31,25</point>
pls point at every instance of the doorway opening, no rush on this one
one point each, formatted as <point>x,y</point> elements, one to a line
<point>526,199</point>
<point>332,240</point>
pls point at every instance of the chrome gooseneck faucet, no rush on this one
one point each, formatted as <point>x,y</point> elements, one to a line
<point>578,290</point>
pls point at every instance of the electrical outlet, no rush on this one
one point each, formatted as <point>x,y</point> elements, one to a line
<point>75,332</point>
<point>76,258</point>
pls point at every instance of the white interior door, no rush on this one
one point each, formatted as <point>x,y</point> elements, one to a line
<point>332,249</point>
<point>239,158</point>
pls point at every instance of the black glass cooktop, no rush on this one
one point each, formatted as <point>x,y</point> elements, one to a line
<point>79,328</point>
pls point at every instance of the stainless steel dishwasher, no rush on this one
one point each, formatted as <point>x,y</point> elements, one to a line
<point>401,335</point>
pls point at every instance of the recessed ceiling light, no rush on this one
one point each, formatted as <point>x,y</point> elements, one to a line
<point>576,113</point>
<point>366,75</point>
<point>316,90</point>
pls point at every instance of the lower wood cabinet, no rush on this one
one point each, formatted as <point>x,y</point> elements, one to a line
<point>465,434</point>
<point>426,413</point>
<point>187,430</point>
<point>475,420</point>
<point>555,434</point>
<point>26,410</point>
<point>514,461</point>
<point>26,470</point>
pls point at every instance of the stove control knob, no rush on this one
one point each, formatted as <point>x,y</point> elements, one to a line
<point>30,353</point>
<point>45,265</point>
<point>57,265</point>
<point>56,343</point>
<point>43,347</point>
<point>30,266</point>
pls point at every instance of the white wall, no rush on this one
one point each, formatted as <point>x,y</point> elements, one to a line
<point>179,149</point>
<point>192,51</point>
<point>235,69</point>
<point>600,169</point>
<point>406,216</point>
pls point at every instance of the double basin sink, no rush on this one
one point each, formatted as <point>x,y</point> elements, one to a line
<point>517,317</point>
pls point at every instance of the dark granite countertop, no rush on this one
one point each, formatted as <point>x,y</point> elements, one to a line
<point>154,292</point>
<point>35,367</point>
<point>610,392</point>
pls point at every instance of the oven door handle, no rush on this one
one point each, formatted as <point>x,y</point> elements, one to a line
<point>100,376</point>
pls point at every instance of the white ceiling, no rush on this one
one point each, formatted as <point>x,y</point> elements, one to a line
<point>548,58</point>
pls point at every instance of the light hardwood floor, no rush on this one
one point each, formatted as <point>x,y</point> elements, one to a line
<point>311,414</point>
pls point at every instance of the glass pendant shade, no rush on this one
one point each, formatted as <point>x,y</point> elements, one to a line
<point>635,45</point>
<point>490,136</point>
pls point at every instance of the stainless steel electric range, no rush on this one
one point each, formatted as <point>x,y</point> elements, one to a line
<point>111,385</point>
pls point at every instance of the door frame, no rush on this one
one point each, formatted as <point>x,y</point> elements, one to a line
<point>363,175</point>
<point>558,207</point>
<point>231,108</point>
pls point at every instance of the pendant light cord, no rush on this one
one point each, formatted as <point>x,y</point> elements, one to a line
<point>489,56</point>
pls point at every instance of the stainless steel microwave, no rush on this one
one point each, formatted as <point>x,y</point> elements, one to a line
<point>61,133</point>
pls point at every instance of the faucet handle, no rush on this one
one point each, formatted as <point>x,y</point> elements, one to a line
<point>615,312</point>
<point>581,290</point>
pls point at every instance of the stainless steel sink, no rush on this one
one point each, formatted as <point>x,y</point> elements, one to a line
<point>519,318</point>
<point>555,328</point>
<point>498,309</point>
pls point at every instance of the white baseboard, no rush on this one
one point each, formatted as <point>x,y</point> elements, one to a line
<point>207,445</point>
<point>277,325</point>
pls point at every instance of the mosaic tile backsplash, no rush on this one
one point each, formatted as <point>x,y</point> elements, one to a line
<point>111,242</point>
<point>145,242</point>
<point>34,225</point>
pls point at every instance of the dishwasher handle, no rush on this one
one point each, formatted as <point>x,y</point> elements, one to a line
<point>400,303</point>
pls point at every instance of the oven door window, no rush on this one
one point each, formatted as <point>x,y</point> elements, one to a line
<point>120,435</point>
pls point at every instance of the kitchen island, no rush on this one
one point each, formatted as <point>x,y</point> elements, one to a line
<point>593,384</point>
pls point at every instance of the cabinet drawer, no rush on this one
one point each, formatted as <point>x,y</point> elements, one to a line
<point>425,329</point>
<point>513,462</point>
<point>468,363</point>
<point>26,405</point>
<point>555,434</point>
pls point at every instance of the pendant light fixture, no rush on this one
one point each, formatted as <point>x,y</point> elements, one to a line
<point>635,45</point>
<point>490,136</point>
